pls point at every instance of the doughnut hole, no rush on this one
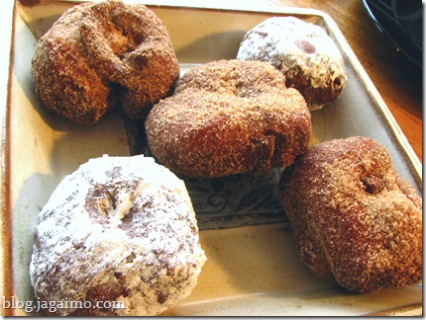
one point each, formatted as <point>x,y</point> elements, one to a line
<point>131,51</point>
<point>372,184</point>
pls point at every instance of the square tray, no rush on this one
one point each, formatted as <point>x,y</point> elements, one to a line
<point>253,268</point>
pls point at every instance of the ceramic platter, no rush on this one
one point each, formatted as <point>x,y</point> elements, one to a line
<point>253,268</point>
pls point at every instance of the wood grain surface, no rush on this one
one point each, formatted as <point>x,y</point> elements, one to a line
<point>398,81</point>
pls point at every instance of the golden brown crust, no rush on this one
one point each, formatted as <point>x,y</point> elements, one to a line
<point>228,117</point>
<point>101,55</point>
<point>353,216</point>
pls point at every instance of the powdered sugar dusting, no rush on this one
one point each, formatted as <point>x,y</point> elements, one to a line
<point>299,50</point>
<point>119,228</point>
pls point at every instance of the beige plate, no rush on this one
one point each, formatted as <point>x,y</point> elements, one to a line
<point>251,270</point>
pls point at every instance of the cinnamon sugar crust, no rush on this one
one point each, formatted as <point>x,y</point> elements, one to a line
<point>352,215</point>
<point>228,117</point>
<point>102,55</point>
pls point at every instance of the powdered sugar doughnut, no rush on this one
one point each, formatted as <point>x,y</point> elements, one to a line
<point>303,52</point>
<point>117,229</point>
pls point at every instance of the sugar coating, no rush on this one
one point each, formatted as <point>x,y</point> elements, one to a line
<point>102,55</point>
<point>229,117</point>
<point>353,216</point>
<point>117,229</point>
<point>303,52</point>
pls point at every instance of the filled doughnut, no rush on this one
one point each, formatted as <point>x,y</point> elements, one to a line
<point>353,216</point>
<point>118,229</point>
<point>229,117</point>
<point>100,55</point>
<point>303,52</point>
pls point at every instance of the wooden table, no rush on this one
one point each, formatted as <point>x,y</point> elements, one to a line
<point>399,83</point>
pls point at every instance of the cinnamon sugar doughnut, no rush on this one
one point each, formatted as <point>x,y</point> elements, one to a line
<point>303,52</point>
<point>353,216</point>
<point>117,229</point>
<point>101,55</point>
<point>229,117</point>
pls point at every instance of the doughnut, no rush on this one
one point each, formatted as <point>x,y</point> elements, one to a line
<point>353,216</point>
<point>118,229</point>
<point>229,117</point>
<point>102,55</point>
<point>303,52</point>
